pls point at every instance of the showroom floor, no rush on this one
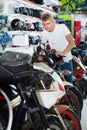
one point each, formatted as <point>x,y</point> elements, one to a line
<point>84,116</point>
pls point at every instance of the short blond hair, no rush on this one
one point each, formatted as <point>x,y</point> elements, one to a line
<point>46,16</point>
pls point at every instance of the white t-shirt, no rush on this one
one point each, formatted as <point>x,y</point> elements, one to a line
<point>57,39</point>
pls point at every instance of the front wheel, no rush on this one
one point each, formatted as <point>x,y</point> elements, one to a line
<point>71,120</point>
<point>53,122</point>
<point>71,100</point>
<point>79,95</point>
<point>6,113</point>
<point>68,117</point>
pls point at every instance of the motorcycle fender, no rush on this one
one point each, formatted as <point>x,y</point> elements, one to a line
<point>62,108</point>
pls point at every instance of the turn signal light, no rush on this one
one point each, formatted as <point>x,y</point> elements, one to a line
<point>57,101</point>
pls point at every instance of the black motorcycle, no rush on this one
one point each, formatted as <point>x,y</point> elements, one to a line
<point>19,81</point>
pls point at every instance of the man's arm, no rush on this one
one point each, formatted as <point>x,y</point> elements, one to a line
<point>68,48</point>
<point>70,45</point>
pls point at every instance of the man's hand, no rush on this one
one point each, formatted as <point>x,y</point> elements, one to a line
<point>58,53</point>
<point>40,58</point>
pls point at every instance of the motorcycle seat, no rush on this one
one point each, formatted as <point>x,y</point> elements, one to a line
<point>12,63</point>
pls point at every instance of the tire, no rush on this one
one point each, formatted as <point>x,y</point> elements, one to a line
<point>71,120</point>
<point>54,125</point>
<point>2,125</point>
<point>83,85</point>
<point>78,94</point>
<point>76,83</point>
<point>6,114</point>
<point>69,117</point>
<point>71,100</point>
<point>53,122</point>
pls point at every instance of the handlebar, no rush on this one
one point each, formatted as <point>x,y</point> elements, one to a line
<point>50,57</point>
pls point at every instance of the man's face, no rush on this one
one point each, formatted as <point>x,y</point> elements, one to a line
<point>49,25</point>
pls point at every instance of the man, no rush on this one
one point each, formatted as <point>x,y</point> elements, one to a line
<point>60,39</point>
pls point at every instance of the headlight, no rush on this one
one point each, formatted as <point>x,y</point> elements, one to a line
<point>78,67</point>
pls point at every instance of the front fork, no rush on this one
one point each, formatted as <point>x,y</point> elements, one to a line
<point>60,109</point>
<point>41,112</point>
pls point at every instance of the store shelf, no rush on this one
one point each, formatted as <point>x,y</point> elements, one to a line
<point>33,5</point>
<point>23,17</point>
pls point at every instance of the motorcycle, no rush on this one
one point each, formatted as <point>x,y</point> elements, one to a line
<point>82,50</point>
<point>79,72</point>
<point>28,97</point>
<point>71,99</point>
<point>13,83</point>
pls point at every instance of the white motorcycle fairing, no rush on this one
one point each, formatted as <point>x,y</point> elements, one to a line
<point>48,97</point>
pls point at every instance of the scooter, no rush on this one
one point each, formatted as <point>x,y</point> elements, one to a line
<point>25,84</point>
